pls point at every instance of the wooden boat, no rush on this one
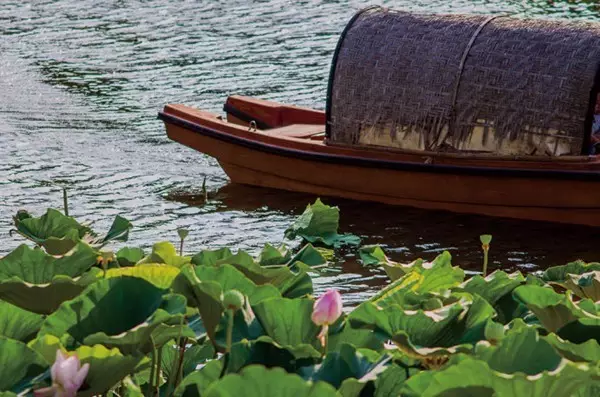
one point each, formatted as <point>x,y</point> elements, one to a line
<point>280,146</point>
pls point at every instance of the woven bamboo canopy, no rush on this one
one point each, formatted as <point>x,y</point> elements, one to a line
<point>464,83</point>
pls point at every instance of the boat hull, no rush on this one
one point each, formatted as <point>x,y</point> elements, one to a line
<point>522,195</point>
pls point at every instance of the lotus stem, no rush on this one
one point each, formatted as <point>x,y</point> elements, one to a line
<point>230,330</point>
<point>158,367</point>
<point>204,192</point>
<point>181,247</point>
<point>485,260</point>
<point>152,365</point>
<point>65,201</point>
<point>179,374</point>
<point>175,369</point>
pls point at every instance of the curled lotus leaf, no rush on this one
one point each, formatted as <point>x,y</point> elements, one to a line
<point>319,224</point>
<point>19,324</point>
<point>160,275</point>
<point>586,285</point>
<point>116,312</point>
<point>165,252</point>
<point>560,273</point>
<point>46,298</point>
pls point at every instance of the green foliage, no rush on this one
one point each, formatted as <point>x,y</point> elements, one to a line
<point>319,224</point>
<point>157,324</point>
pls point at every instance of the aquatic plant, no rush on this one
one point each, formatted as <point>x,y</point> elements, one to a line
<point>218,323</point>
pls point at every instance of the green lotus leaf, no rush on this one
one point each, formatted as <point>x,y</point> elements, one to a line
<point>19,363</point>
<point>52,224</point>
<point>117,312</point>
<point>413,287</point>
<point>245,326</point>
<point>160,275</point>
<point>265,351</point>
<point>560,273</point>
<point>119,230</point>
<point>204,285</point>
<point>258,381</point>
<point>270,255</point>
<point>391,381</point>
<point>589,390</point>
<point>552,309</point>
<point>288,321</point>
<point>211,257</point>
<point>19,324</point>
<point>107,368</point>
<point>311,256</point>
<point>581,330</point>
<point>473,377</point>
<point>46,298</point>
<point>164,333</point>
<point>131,389</point>
<point>359,338</point>
<point>344,364</point>
<point>586,285</point>
<point>165,252</point>
<point>127,256</point>
<point>34,266</point>
<point>196,383</point>
<point>193,356</point>
<point>319,224</point>
<point>497,289</point>
<point>448,326</point>
<point>588,351</point>
<point>372,255</point>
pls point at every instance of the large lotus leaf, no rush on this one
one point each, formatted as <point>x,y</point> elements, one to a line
<point>552,309</point>
<point>288,321</point>
<point>18,363</point>
<point>165,252</point>
<point>118,312</point>
<point>196,383</point>
<point>245,326</point>
<point>258,381</point>
<point>560,273</point>
<point>586,285</point>
<point>127,256</point>
<point>164,333</point>
<point>319,224</point>
<point>451,325</point>
<point>160,275</point>
<point>265,351</point>
<point>472,377</point>
<point>588,351</point>
<point>345,364</point>
<point>211,257</point>
<point>521,350</point>
<point>497,290</point>
<point>204,285</point>
<point>270,255</point>
<point>52,224</point>
<point>46,298</point>
<point>19,324</point>
<point>34,266</point>
<point>391,381</point>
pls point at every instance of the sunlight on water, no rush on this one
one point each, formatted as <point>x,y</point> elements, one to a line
<point>81,83</point>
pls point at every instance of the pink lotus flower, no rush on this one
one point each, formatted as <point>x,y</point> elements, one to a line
<point>67,377</point>
<point>328,308</point>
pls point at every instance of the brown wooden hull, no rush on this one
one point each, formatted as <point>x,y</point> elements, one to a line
<point>537,192</point>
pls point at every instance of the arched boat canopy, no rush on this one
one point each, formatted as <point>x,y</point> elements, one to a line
<point>464,83</point>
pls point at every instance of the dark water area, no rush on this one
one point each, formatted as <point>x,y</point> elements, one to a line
<point>81,83</point>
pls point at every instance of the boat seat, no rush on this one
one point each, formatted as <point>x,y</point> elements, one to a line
<point>296,130</point>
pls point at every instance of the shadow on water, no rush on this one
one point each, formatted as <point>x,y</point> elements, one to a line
<point>408,233</point>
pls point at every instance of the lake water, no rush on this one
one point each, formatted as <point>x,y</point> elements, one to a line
<point>81,82</point>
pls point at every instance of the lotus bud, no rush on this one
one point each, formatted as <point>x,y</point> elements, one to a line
<point>233,299</point>
<point>67,376</point>
<point>328,308</point>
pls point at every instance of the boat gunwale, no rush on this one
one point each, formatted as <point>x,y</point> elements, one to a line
<point>378,163</point>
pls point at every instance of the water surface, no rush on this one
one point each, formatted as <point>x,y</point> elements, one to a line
<point>81,82</point>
